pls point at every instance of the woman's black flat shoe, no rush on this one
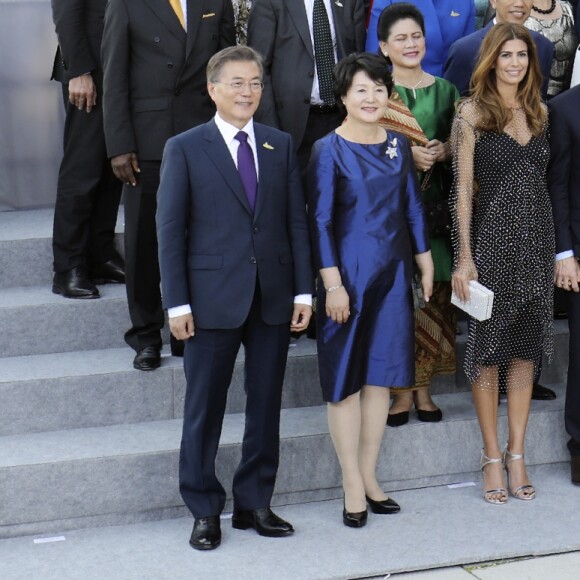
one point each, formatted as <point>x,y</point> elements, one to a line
<point>398,419</point>
<point>429,416</point>
<point>385,506</point>
<point>354,519</point>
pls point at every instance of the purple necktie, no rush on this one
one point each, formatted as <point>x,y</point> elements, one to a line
<point>247,168</point>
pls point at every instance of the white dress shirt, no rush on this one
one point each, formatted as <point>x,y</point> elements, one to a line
<point>229,132</point>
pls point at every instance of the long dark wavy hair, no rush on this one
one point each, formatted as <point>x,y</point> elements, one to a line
<point>495,114</point>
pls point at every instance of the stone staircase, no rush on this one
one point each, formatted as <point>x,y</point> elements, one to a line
<point>86,441</point>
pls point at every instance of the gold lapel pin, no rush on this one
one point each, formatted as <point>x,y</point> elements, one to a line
<point>267,145</point>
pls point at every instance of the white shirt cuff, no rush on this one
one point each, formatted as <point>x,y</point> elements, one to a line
<point>564,255</point>
<point>303,299</point>
<point>178,311</point>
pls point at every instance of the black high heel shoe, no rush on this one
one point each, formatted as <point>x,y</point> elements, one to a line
<point>354,519</point>
<point>385,506</point>
<point>398,419</point>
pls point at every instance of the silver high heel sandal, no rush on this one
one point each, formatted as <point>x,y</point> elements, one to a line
<point>487,494</point>
<point>520,492</point>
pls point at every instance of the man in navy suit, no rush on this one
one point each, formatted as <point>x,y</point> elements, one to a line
<point>464,52</point>
<point>564,186</point>
<point>235,265</point>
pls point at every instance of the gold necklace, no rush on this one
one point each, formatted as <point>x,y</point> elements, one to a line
<point>412,87</point>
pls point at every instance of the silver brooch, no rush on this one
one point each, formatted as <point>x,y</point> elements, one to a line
<point>338,3</point>
<point>392,149</point>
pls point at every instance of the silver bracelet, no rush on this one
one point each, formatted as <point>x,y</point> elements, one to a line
<point>334,288</point>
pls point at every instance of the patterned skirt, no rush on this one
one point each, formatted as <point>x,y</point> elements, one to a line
<point>435,330</point>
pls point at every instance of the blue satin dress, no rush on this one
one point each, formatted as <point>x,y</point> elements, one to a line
<point>367,219</point>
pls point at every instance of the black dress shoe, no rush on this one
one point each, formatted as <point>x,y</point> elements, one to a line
<point>147,359</point>
<point>354,519</point>
<point>541,393</point>
<point>385,506</point>
<point>398,419</point>
<point>206,534</point>
<point>429,416</point>
<point>111,272</point>
<point>177,346</point>
<point>74,284</point>
<point>575,469</point>
<point>264,521</point>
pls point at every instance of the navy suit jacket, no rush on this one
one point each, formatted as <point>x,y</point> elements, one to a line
<point>564,169</point>
<point>464,52</point>
<point>213,248</point>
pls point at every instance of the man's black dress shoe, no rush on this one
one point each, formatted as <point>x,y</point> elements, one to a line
<point>111,272</point>
<point>74,284</point>
<point>541,393</point>
<point>354,519</point>
<point>398,419</point>
<point>147,359</point>
<point>575,469</point>
<point>206,534</point>
<point>264,521</point>
<point>385,506</point>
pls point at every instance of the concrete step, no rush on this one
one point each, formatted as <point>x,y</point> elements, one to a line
<point>95,388</point>
<point>437,527</point>
<point>36,321</point>
<point>126,473</point>
<point>26,247</point>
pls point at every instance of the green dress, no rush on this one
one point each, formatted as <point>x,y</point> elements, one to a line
<point>434,108</point>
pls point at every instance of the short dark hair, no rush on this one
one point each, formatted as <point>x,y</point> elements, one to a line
<point>395,12</point>
<point>373,65</point>
<point>232,54</point>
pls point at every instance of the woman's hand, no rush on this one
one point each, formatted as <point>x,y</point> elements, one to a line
<point>442,151</point>
<point>425,263</point>
<point>338,305</point>
<point>464,272</point>
<point>424,158</point>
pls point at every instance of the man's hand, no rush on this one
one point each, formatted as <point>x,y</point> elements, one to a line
<point>567,274</point>
<point>182,327</point>
<point>82,92</point>
<point>125,166</point>
<point>300,317</point>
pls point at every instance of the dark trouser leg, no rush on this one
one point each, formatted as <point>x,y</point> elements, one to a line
<point>317,127</point>
<point>572,406</point>
<point>209,360</point>
<point>266,349</point>
<point>87,194</point>
<point>101,244</point>
<point>141,259</point>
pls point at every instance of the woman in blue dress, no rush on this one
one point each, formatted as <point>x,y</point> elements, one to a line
<point>367,224</point>
<point>445,22</point>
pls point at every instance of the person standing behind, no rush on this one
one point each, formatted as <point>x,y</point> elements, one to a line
<point>412,103</point>
<point>445,22</point>
<point>564,186</point>
<point>301,40</point>
<point>88,194</point>
<point>154,59</point>
<point>554,19</point>
<point>504,238</point>
<point>367,224</point>
<point>464,52</point>
<point>235,255</point>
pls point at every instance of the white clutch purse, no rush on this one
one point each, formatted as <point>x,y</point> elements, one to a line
<point>480,301</point>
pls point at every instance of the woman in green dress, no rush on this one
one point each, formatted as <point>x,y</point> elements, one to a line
<point>422,108</point>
